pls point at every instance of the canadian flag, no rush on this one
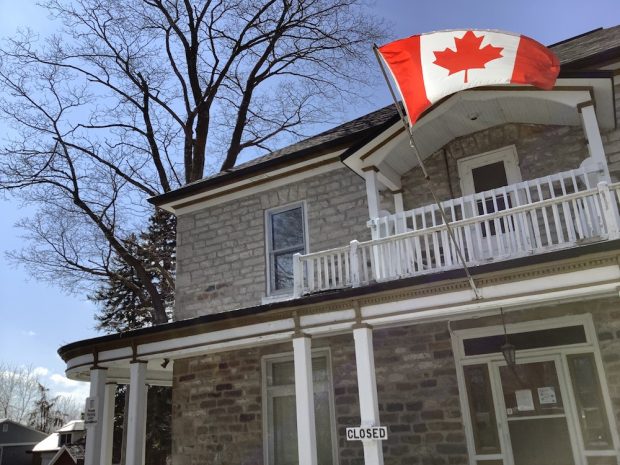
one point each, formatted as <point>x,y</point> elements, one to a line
<point>429,67</point>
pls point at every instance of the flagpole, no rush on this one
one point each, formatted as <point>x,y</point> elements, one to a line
<point>427,178</point>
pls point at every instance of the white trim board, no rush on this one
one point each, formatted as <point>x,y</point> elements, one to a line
<point>576,286</point>
<point>246,187</point>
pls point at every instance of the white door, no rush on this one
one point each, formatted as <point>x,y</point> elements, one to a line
<point>487,172</point>
<point>536,418</point>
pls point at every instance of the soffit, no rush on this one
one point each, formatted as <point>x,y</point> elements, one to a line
<point>479,109</point>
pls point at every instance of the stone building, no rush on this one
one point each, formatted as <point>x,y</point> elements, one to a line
<point>319,289</point>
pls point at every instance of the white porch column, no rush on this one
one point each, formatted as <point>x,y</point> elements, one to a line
<point>136,417</point>
<point>372,191</point>
<point>399,208</point>
<point>304,398</point>
<point>367,386</point>
<point>107,418</point>
<point>94,431</point>
<point>593,134</point>
<point>399,205</point>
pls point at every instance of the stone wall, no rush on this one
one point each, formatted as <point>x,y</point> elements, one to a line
<point>542,150</point>
<point>217,403</point>
<point>221,250</point>
<point>221,262</point>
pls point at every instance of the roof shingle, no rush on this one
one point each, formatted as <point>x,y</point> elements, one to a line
<point>570,52</point>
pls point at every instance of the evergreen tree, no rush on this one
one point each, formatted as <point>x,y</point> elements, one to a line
<point>121,299</point>
<point>122,308</point>
<point>45,416</point>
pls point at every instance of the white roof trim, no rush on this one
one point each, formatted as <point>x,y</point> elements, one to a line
<point>256,183</point>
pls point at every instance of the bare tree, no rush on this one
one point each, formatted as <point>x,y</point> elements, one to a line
<point>69,408</point>
<point>24,399</point>
<point>18,391</point>
<point>136,97</point>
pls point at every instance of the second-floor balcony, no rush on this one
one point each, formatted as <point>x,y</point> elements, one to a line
<point>541,215</point>
<point>505,209</point>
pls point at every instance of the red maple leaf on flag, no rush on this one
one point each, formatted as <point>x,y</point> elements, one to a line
<point>468,54</point>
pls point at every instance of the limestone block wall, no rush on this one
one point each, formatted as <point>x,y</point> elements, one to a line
<point>542,150</point>
<point>221,249</point>
<point>218,405</point>
<point>221,262</point>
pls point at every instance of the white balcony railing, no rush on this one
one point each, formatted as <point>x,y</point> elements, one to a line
<point>531,217</point>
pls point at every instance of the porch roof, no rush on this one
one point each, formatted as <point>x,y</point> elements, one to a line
<point>478,109</point>
<point>121,348</point>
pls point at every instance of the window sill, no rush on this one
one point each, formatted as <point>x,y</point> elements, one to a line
<point>270,299</point>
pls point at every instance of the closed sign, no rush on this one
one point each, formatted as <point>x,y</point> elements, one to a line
<point>368,433</point>
<point>90,412</point>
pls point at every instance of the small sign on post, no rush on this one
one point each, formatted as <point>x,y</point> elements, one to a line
<point>90,411</point>
<point>361,433</point>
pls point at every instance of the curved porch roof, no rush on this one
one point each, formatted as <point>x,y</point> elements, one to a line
<point>478,109</point>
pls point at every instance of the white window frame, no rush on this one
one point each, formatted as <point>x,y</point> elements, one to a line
<point>266,363</point>
<point>268,243</point>
<point>506,154</point>
<point>590,346</point>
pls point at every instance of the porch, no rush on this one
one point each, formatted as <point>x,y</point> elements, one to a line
<point>505,203</point>
<point>432,332</point>
<point>564,210</point>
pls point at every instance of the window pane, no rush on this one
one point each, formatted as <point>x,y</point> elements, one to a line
<point>531,389</point>
<point>319,369</point>
<point>602,460</point>
<point>283,270</point>
<point>589,400</point>
<point>283,373</point>
<point>481,409</point>
<point>323,428</point>
<point>541,441</point>
<point>527,340</point>
<point>489,176</point>
<point>287,229</point>
<point>284,431</point>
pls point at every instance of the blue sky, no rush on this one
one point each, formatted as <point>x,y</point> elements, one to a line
<point>35,319</point>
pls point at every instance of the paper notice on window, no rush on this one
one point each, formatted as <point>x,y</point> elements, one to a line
<point>546,395</point>
<point>525,400</point>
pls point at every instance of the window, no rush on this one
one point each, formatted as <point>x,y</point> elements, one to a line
<point>481,408</point>
<point>63,439</point>
<point>280,425</point>
<point>5,427</point>
<point>552,406</point>
<point>286,236</point>
<point>589,399</point>
<point>489,170</point>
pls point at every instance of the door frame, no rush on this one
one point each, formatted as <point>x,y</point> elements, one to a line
<point>507,154</point>
<point>560,351</point>
<point>568,404</point>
